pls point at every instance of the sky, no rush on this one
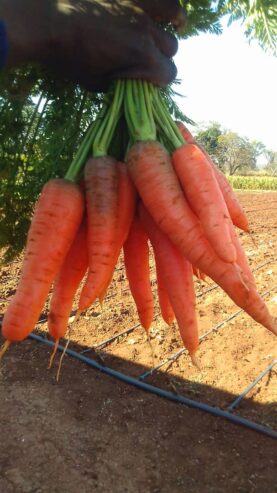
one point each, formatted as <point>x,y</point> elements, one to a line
<point>224,79</point>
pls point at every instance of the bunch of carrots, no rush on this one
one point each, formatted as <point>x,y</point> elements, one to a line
<point>138,178</point>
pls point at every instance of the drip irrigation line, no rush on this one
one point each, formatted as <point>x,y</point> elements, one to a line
<point>184,350</point>
<point>164,362</point>
<point>111,339</point>
<point>260,210</point>
<point>265,263</point>
<point>201,338</point>
<point>215,286</point>
<point>236,402</point>
<point>163,393</point>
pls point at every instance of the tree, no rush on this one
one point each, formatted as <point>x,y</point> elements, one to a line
<point>236,153</point>
<point>208,138</point>
<point>259,18</point>
<point>258,149</point>
<point>271,165</point>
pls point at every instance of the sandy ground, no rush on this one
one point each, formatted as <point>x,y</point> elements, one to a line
<point>91,433</point>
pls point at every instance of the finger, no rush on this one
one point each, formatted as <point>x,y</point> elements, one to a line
<point>160,72</point>
<point>167,43</point>
<point>81,75</point>
<point>163,10</point>
<point>96,84</point>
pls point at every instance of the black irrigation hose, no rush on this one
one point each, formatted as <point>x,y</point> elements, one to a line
<point>111,339</point>
<point>236,402</point>
<point>163,393</point>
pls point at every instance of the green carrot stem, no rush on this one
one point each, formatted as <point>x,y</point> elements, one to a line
<point>85,147</point>
<point>146,86</point>
<point>138,115</point>
<point>164,133</point>
<point>169,127</point>
<point>106,131</point>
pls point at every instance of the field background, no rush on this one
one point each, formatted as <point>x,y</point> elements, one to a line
<point>254,182</point>
<point>91,433</point>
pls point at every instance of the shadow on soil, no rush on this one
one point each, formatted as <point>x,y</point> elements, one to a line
<point>92,433</point>
<point>247,407</point>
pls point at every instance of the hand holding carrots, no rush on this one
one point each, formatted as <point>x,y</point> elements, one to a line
<point>93,42</point>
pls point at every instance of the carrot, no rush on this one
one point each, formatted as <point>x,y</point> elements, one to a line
<point>127,200</point>
<point>57,217</point>
<point>257,309</point>
<point>67,283</point>
<point>101,184</point>
<point>176,274</point>
<point>197,272</point>
<point>236,212</point>
<point>242,260</point>
<point>152,172</point>
<point>164,302</point>
<point>185,133</point>
<point>205,198</point>
<point>136,259</point>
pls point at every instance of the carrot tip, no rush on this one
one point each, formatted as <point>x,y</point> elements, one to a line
<point>273,327</point>
<point>4,348</point>
<point>53,354</point>
<point>240,273</point>
<point>195,361</point>
<point>151,348</point>
<point>61,360</point>
<point>252,238</point>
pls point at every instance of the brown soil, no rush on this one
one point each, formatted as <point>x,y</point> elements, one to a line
<point>92,433</point>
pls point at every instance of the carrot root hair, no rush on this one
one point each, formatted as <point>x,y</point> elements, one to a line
<point>4,348</point>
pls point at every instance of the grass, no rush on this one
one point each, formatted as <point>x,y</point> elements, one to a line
<point>253,182</point>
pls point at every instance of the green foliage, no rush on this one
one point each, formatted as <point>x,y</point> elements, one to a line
<point>42,121</point>
<point>208,138</point>
<point>235,153</point>
<point>271,166</point>
<point>230,151</point>
<point>259,18</point>
<point>253,182</point>
<point>202,16</point>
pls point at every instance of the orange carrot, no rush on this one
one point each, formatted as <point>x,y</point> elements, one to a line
<point>101,184</point>
<point>242,260</point>
<point>67,283</point>
<point>152,172</point>
<point>236,212</point>
<point>197,272</point>
<point>57,217</point>
<point>205,198</point>
<point>185,133</point>
<point>153,175</point>
<point>127,200</point>
<point>136,259</point>
<point>164,302</point>
<point>176,274</point>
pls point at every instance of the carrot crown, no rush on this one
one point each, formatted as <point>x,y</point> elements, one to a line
<point>134,110</point>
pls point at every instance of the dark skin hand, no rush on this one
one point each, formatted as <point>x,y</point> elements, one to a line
<point>93,42</point>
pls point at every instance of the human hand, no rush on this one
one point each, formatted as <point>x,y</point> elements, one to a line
<point>93,42</point>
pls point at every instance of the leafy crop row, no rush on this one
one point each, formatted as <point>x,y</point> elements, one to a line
<point>253,182</point>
